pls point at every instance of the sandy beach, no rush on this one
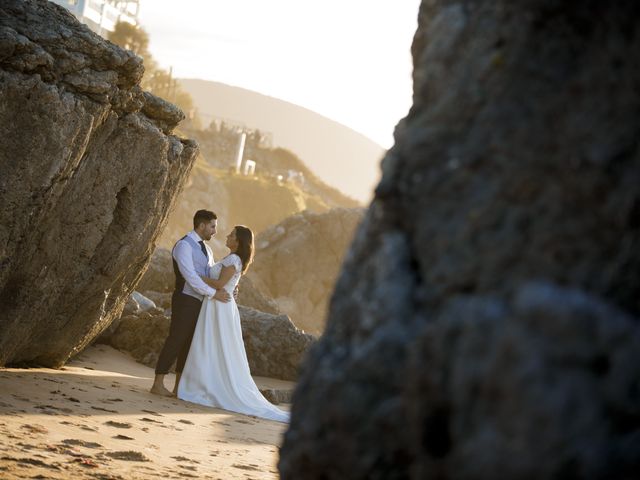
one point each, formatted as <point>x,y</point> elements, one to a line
<point>95,419</point>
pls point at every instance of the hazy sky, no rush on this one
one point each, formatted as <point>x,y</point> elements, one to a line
<point>348,60</point>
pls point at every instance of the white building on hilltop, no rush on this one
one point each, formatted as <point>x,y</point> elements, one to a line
<point>101,16</point>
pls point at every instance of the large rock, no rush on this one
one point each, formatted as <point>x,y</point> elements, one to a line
<point>142,334</point>
<point>159,276</point>
<point>518,162</point>
<point>90,172</point>
<point>275,347</point>
<point>250,296</point>
<point>297,263</point>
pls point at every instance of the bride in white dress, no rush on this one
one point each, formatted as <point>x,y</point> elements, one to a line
<point>217,373</point>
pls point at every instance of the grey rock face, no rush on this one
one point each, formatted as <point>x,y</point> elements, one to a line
<point>486,321</point>
<point>275,347</point>
<point>159,276</point>
<point>250,296</point>
<point>90,171</point>
<point>142,334</point>
<point>298,260</point>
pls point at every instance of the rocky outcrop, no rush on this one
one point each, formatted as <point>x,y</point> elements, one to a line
<point>297,263</point>
<point>275,347</point>
<point>90,171</point>
<point>250,296</point>
<point>142,334</point>
<point>486,323</point>
<point>159,276</point>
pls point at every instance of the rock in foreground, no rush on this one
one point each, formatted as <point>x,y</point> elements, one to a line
<point>486,322</point>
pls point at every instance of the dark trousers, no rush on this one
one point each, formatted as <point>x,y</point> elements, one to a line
<point>184,316</point>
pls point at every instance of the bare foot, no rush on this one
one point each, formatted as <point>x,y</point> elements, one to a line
<point>161,390</point>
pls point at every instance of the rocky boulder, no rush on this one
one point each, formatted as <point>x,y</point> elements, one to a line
<point>486,322</point>
<point>275,347</point>
<point>90,171</point>
<point>141,334</point>
<point>250,296</point>
<point>159,276</point>
<point>297,263</point>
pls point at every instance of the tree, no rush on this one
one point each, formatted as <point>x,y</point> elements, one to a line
<point>132,38</point>
<point>156,80</point>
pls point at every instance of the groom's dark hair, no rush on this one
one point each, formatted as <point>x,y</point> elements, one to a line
<point>203,216</point>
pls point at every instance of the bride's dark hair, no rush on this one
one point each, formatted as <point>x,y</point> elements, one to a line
<point>244,235</point>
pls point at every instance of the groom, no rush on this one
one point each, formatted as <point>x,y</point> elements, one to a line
<point>191,259</point>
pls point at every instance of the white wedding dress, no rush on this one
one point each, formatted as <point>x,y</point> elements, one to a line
<point>217,373</point>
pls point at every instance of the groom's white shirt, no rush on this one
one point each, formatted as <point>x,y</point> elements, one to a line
<point>183,255</point>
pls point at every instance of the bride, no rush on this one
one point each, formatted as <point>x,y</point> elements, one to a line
<point>216,372</point>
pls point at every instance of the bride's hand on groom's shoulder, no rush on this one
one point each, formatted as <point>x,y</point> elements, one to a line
<point>222,296</point>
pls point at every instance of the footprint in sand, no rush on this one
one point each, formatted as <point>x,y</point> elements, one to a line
<point>81,443</point>
<point>104,409</point>
<point>129,455</point>
<point>189,467</point>
<point>152,413</point>
<point>34,428</point>
<point>239,420</point>
<point>184,459</point>
<point>53,381</point>
<point>32,462</point>
<point>26,446</point>
<point>240,466</point>
<point>111,423</point>
<point>145,419</point>
<point>187,422</point>
<point>122,437</point>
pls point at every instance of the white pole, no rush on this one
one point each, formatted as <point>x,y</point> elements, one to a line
<point>243,137</point>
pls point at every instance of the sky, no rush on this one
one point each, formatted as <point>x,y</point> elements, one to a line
<point>348,60</point>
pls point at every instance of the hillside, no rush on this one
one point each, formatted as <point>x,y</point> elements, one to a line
<point>339,155</point>
<point>258,202</point>
<point>218,145</point>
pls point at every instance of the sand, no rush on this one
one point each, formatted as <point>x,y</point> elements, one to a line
<point>95,419</point>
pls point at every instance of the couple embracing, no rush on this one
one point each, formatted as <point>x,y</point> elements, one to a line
<point>205,336</point>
